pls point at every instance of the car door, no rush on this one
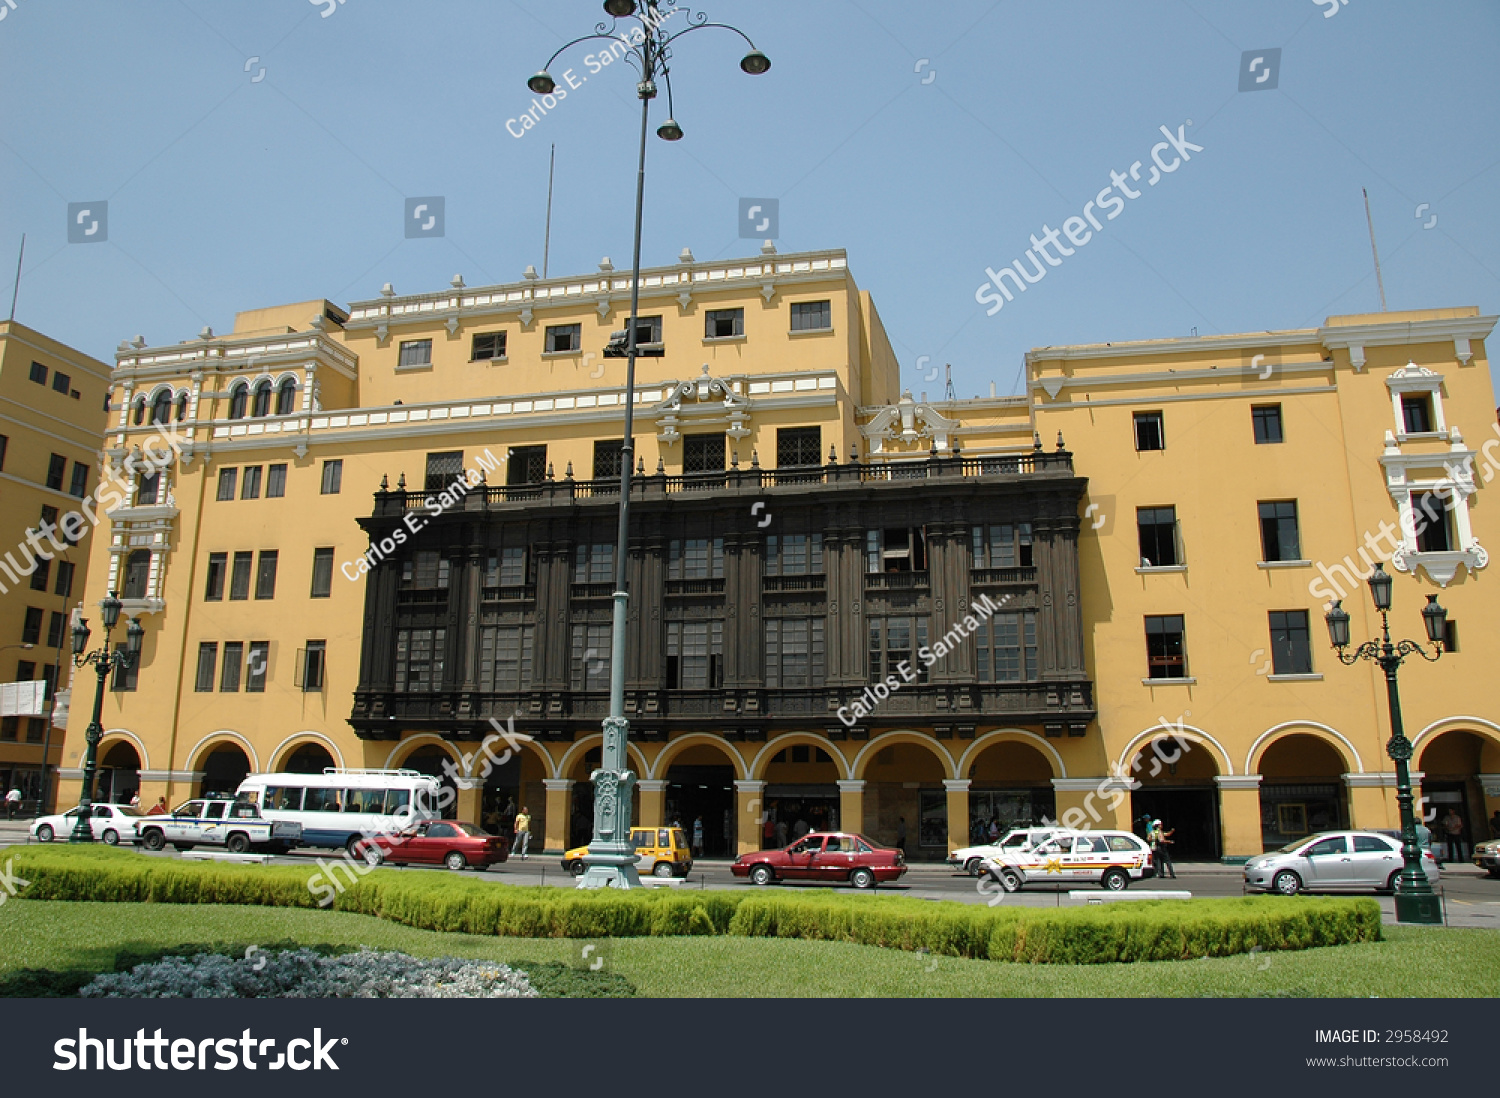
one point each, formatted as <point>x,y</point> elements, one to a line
<point>433,842</point>
<point>836,859</point>
<point>802,856</point>
<point>1086,862</point>
<point>185,826</point>
<point>1047,861</point>
<point>1328,862</point>
<point>211,826</point>
<point>1374,859</point>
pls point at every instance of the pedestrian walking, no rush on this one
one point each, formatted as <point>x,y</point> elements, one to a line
<point>1453,827</point>
<point>780,833</point>
<point>768,831</point>
<point>901,834</point>
<point>698,837</point>
<point>522,841</point>
<point>12,802</point>
<point>1160,840</point>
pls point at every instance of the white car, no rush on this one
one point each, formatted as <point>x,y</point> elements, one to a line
<point>110,823</point>
<point>1110,858</point>
<point>971,859</point>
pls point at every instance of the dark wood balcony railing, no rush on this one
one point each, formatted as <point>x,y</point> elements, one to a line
<point>524,593</point>
<point>792,583</point>
<point>980,576</point>
<point>896,581</point>
<point>695,587</point>
<point>592,590</point>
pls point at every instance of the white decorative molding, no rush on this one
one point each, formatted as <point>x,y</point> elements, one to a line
<point>1238,781</point>
<point>713,400</point>
<point>907,422</point>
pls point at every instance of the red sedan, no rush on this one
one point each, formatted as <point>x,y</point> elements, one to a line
<point>833,857</point>
<point>450,843</point>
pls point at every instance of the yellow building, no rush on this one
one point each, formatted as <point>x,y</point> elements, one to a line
<point>52,408</point>
<point>388,526</point>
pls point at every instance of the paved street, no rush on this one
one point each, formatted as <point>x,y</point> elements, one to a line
<point>1472,898</point>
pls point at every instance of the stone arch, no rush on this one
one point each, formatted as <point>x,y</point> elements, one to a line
<point>791,739</point>
<point>114,735</point>
<point>663,760</point>
<point>1224,764</point>
<point>1486,730</point>
<point>407,746</point>
<point>204,747</point>
<point>886,739</point>
<point>288,747</point>
<point>1331,736</point>
<point>997,735</point>
<point>581,747</point>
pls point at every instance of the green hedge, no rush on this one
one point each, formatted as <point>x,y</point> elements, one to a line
<point>1140,930</point>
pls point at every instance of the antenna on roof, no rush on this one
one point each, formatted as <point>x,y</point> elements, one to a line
<point>948,393</point>
<point>17,290</point>
<point>1370,222</point>
<point>547,239</point>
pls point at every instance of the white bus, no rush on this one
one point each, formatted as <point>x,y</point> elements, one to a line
<point>339,807</point>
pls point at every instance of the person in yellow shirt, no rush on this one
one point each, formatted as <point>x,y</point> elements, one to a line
<point>522,841</point>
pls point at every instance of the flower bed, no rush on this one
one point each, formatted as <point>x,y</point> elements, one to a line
<point>305,974</point>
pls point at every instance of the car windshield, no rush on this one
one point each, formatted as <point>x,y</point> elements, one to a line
<point>1293,846</point>
<point>470,829</point>
<point>126,810</point>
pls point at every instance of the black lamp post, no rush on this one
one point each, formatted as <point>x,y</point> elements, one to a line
<point>1415,900</point>
<point>104,661</point>
<point>611,858</point>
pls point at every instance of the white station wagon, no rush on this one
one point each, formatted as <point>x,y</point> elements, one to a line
<point>1111,858</point>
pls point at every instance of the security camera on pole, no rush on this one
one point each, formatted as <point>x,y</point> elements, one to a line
<point>611,858</point>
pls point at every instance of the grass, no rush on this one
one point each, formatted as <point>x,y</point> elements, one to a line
<point>1410,961</point>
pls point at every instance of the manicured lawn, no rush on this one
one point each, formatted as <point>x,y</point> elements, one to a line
<point>1411,962</point>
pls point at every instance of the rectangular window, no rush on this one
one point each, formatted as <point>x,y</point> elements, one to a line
<point>1279,539</point>
<point>31,628</point>
<point>228,479</point>
<point>1002,545</point>
<point>1165,655</point>
<point>239,577</point>
<point>208,661</point>
<point>607,459</point>
<point>1267,420</point>
<point>703,453</point>
<point>57,629</point>
<point>218,564</point>
<point>229,674</point>
<point>9,727</point>
<point>1006,648</point>
<point>589,666</point>
<point>1431,522</point>
<point>125,678</point>
<point>487,345</point>
<point>25,670</point>
<point>443,468</point>
<point>419,659</point>
<point>893,642</point>
<point>415,352</point>
<point>508,568</point>
<point>40,575</point>
<point>265,575</point>
<point>38,373</point>
<point>257,666</point>
<point>333,476</point>
<point>526,465</point>
<point>1157,527</point>
<point>563,338</point>
<point>794,653</point>
<point>811,316</point>
<point>794,555</point>
<point>594,563</point>
<point>80,486</point>
<point>1450,636</point>
<point>505,657</point>
<point>64,584</point>
<point>4,445</point>
<point>57,468</point>
<point>250,484</point>
<point>647,330</point>
<point>425,570</point>
<point>897,549</point>
<point>695,558</point>
<point>61,383</point>
<point>1416,412</point>
<point>723,323</point>
<point>322,573</point>
<point>275,482</point>
<point>798,446</point>
<point>314,665</point>
<point>1150,432</point>
<point>1291,643</point>
<point>695,655</point>
<point>148,490</point>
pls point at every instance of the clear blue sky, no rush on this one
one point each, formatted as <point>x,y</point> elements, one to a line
<point>226,192</point>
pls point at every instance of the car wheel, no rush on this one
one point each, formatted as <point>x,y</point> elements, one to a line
<point>153,839</point>
<point>1011,881</point>
<point>44,833</point>
<point>862,878</point>
<point>762,875</point>
<point>578,869</point>
<point>455,860</point>
<point>112,837</point>
<point>373,855</point>
<point>1390,884</point>
<point>238,843</point>
<point>1287,883</point>
<point>974,867</point>
<point>1115,880</point>
<point>353,845</point>
<point>663,869</point>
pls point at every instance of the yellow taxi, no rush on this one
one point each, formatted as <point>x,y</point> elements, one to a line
<point>663,852</point>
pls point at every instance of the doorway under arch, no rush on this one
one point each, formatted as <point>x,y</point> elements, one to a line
<point>700,785</point>
<point>1176,785</point>
<point>307,758</point>
<point>224,767</point>
<point>119,776</point>
<point>1302,789</point>
<point>1010,785</point>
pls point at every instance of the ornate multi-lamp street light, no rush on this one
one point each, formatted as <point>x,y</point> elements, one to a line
<point>104,661</point>
<point>1415,900</point>
<point>611,858</point>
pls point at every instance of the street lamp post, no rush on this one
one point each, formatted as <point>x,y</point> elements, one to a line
<point>104,662</point>
<point>1415,900</point>
<point>611,858</point>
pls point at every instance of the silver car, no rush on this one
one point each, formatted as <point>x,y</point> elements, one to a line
<point>1333,861</point>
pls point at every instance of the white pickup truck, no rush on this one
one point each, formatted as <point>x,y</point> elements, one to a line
<point>235,825</point>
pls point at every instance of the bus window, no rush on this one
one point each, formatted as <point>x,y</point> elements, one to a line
<point>364,800</point>
<point>285,798</point>
<point>323,800</point>
<point>396,800</point>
